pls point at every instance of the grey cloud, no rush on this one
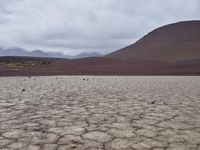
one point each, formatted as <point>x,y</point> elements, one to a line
<point>73,26</point>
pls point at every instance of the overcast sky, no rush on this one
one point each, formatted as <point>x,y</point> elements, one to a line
<point>74,26</point>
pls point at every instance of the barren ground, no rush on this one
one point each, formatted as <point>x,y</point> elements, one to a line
<point>99,113</point>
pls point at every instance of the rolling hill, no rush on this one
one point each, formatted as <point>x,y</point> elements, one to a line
<point>171,43</point>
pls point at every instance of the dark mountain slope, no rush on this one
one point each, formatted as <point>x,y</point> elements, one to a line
<point>174,42</point>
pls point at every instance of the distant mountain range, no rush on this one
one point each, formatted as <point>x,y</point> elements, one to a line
<point>39,53</point>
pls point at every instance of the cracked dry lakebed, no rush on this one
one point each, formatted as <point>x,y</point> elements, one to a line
<point>100,113</point>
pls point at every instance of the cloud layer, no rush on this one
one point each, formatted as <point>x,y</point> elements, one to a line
<point>74,26</point>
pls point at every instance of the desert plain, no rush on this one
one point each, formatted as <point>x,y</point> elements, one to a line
<point>100,113</point>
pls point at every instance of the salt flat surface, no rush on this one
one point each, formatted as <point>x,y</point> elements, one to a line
<point>94,113</point>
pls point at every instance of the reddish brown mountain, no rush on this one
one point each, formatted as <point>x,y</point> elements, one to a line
<point>170,43</point>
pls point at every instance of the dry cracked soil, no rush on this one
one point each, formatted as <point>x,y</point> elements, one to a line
<point>100,113</point>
